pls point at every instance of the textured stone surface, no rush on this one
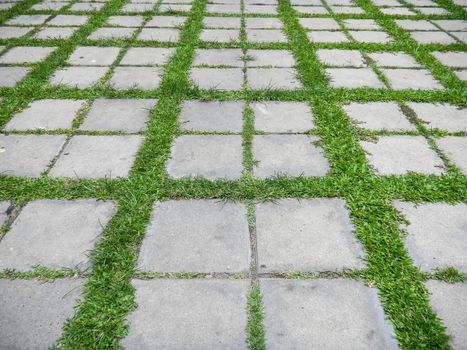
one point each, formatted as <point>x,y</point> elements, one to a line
<point>432,37</point>
<point>25,54</point>
<point>14,32</point>
<point>327,37</point>
<point>353,78</point>
<point>10,76</point>
<point>366,36</point>
<point>263,23</point>
<point>209,156</point>
<point>341,58</point>
<point>452,59</point>
<point>217,78</point>
<point>273,78</point>
<point>125,21</point>
<point>147,56</point>
<point>46,115</point>
<point>217,116</point>
<point>196,236</point>
<point>167,21</point>
<point>145,78</point>
<point>159,34</point>
<point>393,59</point>
<point>218,57</point>
<point>419,79</point>
<point>222,22</point>
<point>210,313</point>
<point>128,115</point>
<point>112,33</point>
<point>3,211</point>
<point>449,301</point>
<point>93,56</point>
<point>32,313</point>
<point>292,155</point>
<point>398,155</point>
<point>97,156</point>
<point>270,58</point>
<point>68,20</point>
<point>319,23</point>
<point>32,20</point>
<point>28,155</point>
<point>378,116</point>
<point>220,35</point>
<point>442,116</point>
<point>282,117</point>
<point>54,233</point>
<point>436,234</point>
<point>55,33</point>
<point>265,35</point>
<point>80,77</point>
<point>330,314</point>
<point>454,148</point>
<point>306,235</point>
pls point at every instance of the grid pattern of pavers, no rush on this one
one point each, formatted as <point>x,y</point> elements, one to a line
<point>242,174</point>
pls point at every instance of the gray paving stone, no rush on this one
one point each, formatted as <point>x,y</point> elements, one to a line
<point>222,22</point>
<point>330,314</point>
<point>49,5</point>
<point>263,23</point>
<point>270,58</point>
<point>432,37</point>
<point>449,301</point>
<point>368,36</point>
<point>14,32</point>
<point>55,33</point>
<point>461,74</point>
<point>379,116</point>
<point>436,234</point>
<point>451,24</point>
<point>341,58</point>
<point>260,9</point>
<point>112,33</point>
<point>282,117</point>
<point>319,23</point>
<point>48,114</point>
<point>442,116</point>
<point>432,11</point>
<point>10,76</point>
<point>4,211</point>
<point>159,34</point>
<point>167,21</point>
<point>25,54</point>
<point>217,116</point>
<point>6,6</point>
<point>97,156</point>
<point>353,78</point>
<point>209,156</point>
<point>306,235</point>
<point>212,237</point>
<point>28,20</point>
<point>220,35</point>
<point>452,59</point>
<point>398,11</point>
<point>175,8</point>
<point>218,57</point>
<point>129,115</point>
<point>86,6</point>
<point>292,155</point>
<point>265,36</point>
<point>138,8</point>
<point>68,20</point>
<point>28,155</point>
<point>419,79</point>
<point>398,155</point>
<point>410,24</point>
<point>393,59</point>
<point>147,56</point>
<point>32,313</point>
<point>93,56</point>
<point>198,307</point>
<point>347,9</point>
<point>223,8</point>
<point>454,147</point>
<point>324,36</point>
<point>217,78</point>
<point>273,78</point>
<point>58,234</point>
<point>145,78</point>
<point>361,24</point>
<point>461,36</point>
<point>80,77</point>
<point>311,10</point>
<point>126,21</point>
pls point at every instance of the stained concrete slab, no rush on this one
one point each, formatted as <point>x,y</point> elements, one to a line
<point>55,33</point>
<point>353,78</point>
<point>209,156</point>
<point>217,78</point>
<point>97,156</point>
<point>442,116</point>
<point>306,235</point>
<point>128,115</point>
<point>212,237</point>
<point>282,117</point>
<point>270,58</point>
<point>146,56</point>
<point>419,79</point>
<point>449,301</point>
<point>292,155</point>
<point>265,36</point>
<point>273,78</point>
<point>80,77</point>
<point>436,234</point>
<point>28,155</point>
<point>93,56</point>
<point>212,314</point>
<point>145,78</point>
<point>216,116</point>
<point>55,233</point>
<point>112,33</point>
<point>454,148</point>
<point>330,314</point>
<point>166,21</point>
<point>398,155</point>
<point>48,114</point>
<point>32,313</point>
<point>86,6</point>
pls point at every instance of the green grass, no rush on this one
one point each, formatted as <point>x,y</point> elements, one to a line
<point>109,295</point>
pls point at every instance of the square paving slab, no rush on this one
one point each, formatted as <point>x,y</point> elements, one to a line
<point>271,58</point>
<point>455,149</point>
<point>273,78</point>
<point>209,156</point>
<point>353,78</point>
<point>97,156</point>
<point>32,313</point>
<point>196,236</point>
<point>419,79</point>
<point>217,78</point>
<point>212,116</point>
<point>25,54</point>
<point>4,211</point>
<point>436,234</point>
<point>93,56</point>
<point>211,314</point>
<point>282,117</point>
<point>441,116</point>
<point>449,301</point>
<point>398,155</point>
<point>10,76</point>
<point>28,155</point>
<point>218,57</point>
<point>306,235</point>
<point>330,314</point>
<point>79,77</point>
<point>452,59</point>
<point>290,155</point>
<point>68,20</point>
<point>54,233</point>
<point>144,78</point>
